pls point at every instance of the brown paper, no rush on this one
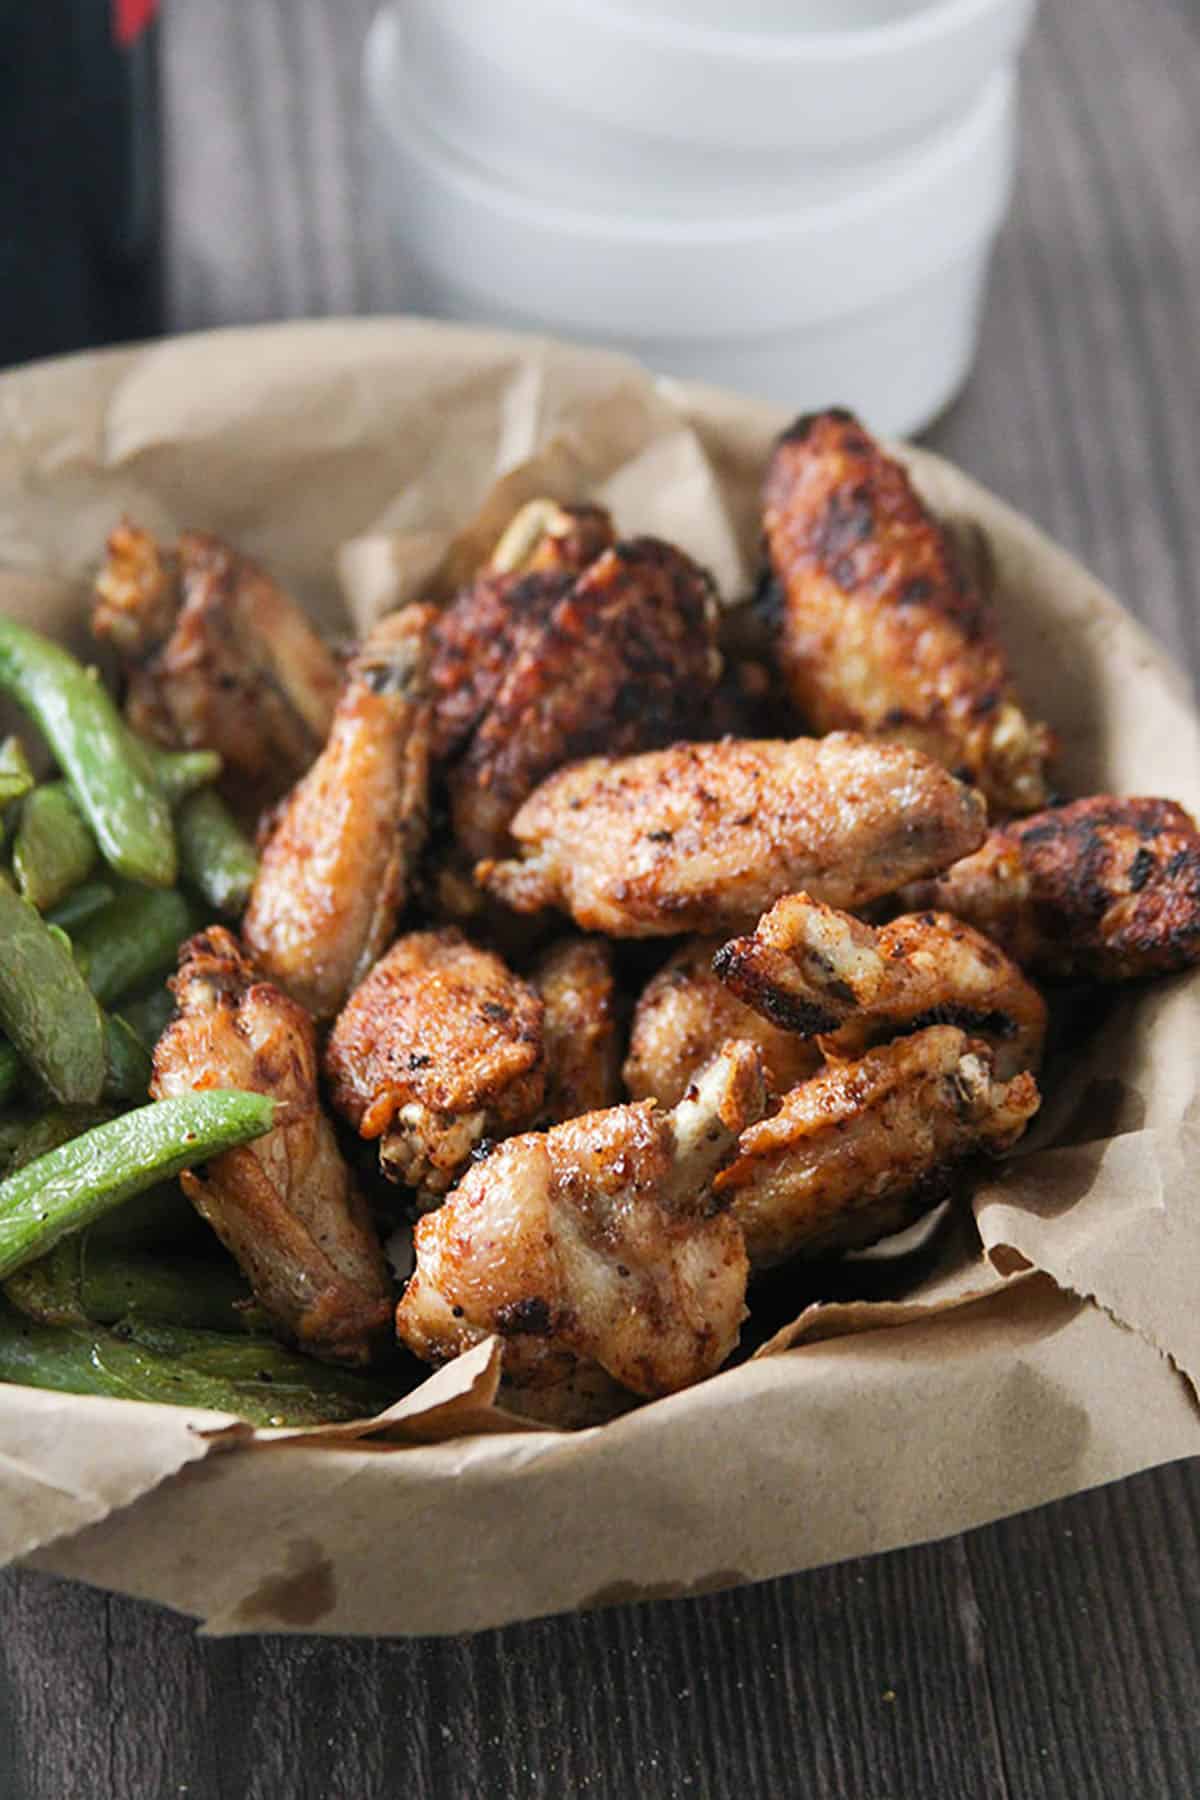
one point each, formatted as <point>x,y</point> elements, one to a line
<point>362,462</point>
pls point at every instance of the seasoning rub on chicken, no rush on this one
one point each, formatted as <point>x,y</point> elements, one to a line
<point>574,978</point>
<point>704,837</point>
<point>595,1242</point>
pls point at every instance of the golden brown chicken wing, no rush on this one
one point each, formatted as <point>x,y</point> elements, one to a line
<point>583,1059</point>
<point>286,1205</point>
<point>704,837</point>
<point>819,972</point>
<point>335,871</point>
<point>1107,889</point>
<point>595,1242</point>
<point>216,655</point>
<point>438,1049</point>
<point>623,661</point>
<point>864,1147</point>
<point>683,1017</point>
<point>878,627</point>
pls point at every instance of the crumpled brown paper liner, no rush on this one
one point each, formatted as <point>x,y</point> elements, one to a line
<point>1036,1358</point>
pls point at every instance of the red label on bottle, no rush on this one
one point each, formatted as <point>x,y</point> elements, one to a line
<point>130,18</point>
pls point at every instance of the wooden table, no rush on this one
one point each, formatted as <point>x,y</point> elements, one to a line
<point>1055,1655</point>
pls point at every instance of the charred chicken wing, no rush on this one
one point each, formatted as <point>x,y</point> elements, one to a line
<point>439,1048</point>
<point>335,870</point>
<point>595,1242</point>
<point>216,655</point>
<point>816,971</point>
<point>704,837</point>
<point>864,1147</point>
<point>285,1206</point>
<point>578,992</point>
<point>1104,889</point>
<point>683,1017</point>
<point>878,625</point>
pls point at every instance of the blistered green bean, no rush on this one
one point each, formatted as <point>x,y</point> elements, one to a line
<point>16,776</point>
<point>128,1076</point>
<point>133,940</point>
<point>178,772</point>
<point>214,853</point>
<point>149,1013</point>
<point>53,850</point>
<point>81,905</point>
<point>46,1008</point>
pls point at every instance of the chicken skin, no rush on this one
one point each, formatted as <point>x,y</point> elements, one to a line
<point>816,971</point>
<point>286,1205</point>
<point>685,1014</point>
<point>437,1050</point>
<point>335,871</point>
<point>705,837</point>
<point>595,1242</point>
<point>623,661</point>
<point>865,1147</point>
<point>583,1060</point>
<point>878,626</point>
<point>216,656</point>
<point>1103,889</point>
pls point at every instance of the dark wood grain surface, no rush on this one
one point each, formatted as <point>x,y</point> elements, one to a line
<point>1054,1655</point>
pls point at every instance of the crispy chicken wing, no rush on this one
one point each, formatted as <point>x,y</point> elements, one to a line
<point>1106,889</point>
<point>583,1059</point>
<point>623,661</point>
<point>439,1048</point>
<point>864,1147</point>
<point>704,837</point>
<point>813,970</point>
<point>878,626</point>
<point>286,1205</point>
<point>215,654</point>
<point>684,1016</point>
<point>335,871</point>
<point>595,1242</point>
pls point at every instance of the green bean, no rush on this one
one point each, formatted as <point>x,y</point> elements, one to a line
<point>81,905</point>
<point>257,1381</point>
<point>75,1184</point>
<point>53,850</point>
<point>215,855</point>
<point>16,776</point>
<point>162,1217</point>
<point>54,1128</point>
<point>85,1282</point>
<point>136,938</point>
<point>128,1060</point>
<point>10,1070</point>
<point>149,1013</point>
<point>45,1006</point>
<point>110,776</point>
<point>51,1288</point>
<point>178,772</point>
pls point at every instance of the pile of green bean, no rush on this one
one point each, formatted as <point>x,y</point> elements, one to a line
<point>104,870</point>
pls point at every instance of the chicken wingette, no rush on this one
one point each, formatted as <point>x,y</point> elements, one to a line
<point>1104,889</point>
<point>438,1050</point>
<point>863,1148</point>
<point>705,837</point>
<point>821,973</point>
<point>286,1205</point>
<point>574,978</point>
<point>335,870</point>
<point>879,626</point>
<point>595,1242</point>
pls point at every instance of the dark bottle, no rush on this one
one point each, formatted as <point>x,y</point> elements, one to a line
<point>80,175</point>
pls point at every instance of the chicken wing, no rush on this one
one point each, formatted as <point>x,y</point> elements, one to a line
<point>819,972</point>
<point>583,1058</point>
<point>1106,889</point>
<point>216,655</point>
<point>286,1205</point>
<point>595,1242</point>
<point>334,873</point>
<point>864,1147</point>
<point>704,837</point>
<point>878,627</point>
<point>437,1050</point>
<point>623,661</point>
<point>684,1016</point>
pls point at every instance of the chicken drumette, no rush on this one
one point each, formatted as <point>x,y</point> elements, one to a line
<point>440,1048</point>
<point>595,1242</point>
<point>216,655</point>
<point>816,971</point>
<point>335,870</point>
<point>1104,889</point>
<point>862,1148</point>
<point>583,1060</point>
<point>286,1205</point>
<point>685,1014</point>
<point>879,627</point>
<point>704,837</point>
